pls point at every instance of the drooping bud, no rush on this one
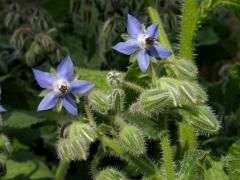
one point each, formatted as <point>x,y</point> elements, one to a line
<point>5,145</point>
<point>114,79</point>
<point>182,92</point>
<point>181,69</point>
<point>3,164</point>
<point>82,131</point>
<point>154,99</point>
<point>72,149</point>
<point>99,102</point>
<point>110,174</point>
<point>202,118</point>
<point>64,150</point>
<point>116,100</point>
<point>132,140</point>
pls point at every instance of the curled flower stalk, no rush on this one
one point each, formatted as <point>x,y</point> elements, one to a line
<point>61,86</point>
<point>144,42</point>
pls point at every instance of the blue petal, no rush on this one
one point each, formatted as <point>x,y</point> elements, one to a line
<point>44,79</point>
<point>134,26</point>
<point>48,102</point>
<point>69,105</point>
<point>143,60</point>
<point>65,68</point>
<point>152,31</point>
<point>128,47</point>
<point>80,86</point>
<point>2,109</point>
<point>160,51</point>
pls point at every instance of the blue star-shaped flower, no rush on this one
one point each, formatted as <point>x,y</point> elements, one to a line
<point>62,86</point>
<point>2,109</point>
<point>143,42</point>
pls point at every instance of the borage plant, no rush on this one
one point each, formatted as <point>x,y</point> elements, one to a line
<point>132,116</point>
<point>149,119</point>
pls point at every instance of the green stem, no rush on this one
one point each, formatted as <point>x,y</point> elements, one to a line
<point>187,137</point>
<point>188,29</point>
<point>167,156</point>
<point>120,122</point>
<point>143,163</point>
<point>133,86</point>
<point>62,170</point>
<point>154,75</point>
<point>90,116</point>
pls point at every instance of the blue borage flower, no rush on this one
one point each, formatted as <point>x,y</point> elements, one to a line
<point>2,109</point>
<point>62,86</point>
<point>145,42</point>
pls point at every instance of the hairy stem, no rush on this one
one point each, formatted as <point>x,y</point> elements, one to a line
<point>90,115</point>
<point>133,86</point>
<point>62,170</point>
<point>143,163</point>
<point>167,156</point>
<point>188,29</point>
<point>187,137</point>
<point>120,122</point>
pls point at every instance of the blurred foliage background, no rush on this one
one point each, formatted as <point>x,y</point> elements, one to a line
<point>39,33</point>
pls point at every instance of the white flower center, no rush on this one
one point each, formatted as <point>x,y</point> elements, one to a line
<point>61,87</point>
<point>145,41</point>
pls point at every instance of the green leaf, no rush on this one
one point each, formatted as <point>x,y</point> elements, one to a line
<point>233,164</point>
<point>215,172</point>
<point>28,166</point>
<point>22,119</point>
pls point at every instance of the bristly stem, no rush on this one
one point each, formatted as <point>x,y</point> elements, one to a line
<point>133,86</point>
<point>90,115</point>
<point>143,163</point>
<point>187,137</point>
<point>120,122</point>
<point>167,156</point>
<point>188,29</point>
<point>62,170</point>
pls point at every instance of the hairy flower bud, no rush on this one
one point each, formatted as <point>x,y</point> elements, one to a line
<point>116,100</point>
<point>72,149</point>
<point>110,174</point>
<point>99,102</point>
<point>182,92</point>
<point>82,131</point>
<point>5,145</point>
<point>114,79</point>
<point>181,69</point>
<point>132,140</point>
<point>202,118</point>
<point>154,99</point>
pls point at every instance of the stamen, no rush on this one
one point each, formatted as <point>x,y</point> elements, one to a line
<point>150,41</point>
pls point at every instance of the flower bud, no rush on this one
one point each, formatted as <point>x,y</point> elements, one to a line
<point>82,131</point>
<point>3,164</point>
<point>154,99</point>
<point>72,149</point>
<point>5,145</point>
<point>202,118</point>
<point>99,102</point>
<point>132,140</point>
<point>116,99</point>
<point>114,79</point>
<point>182,69</point>
<point>110,174</point>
